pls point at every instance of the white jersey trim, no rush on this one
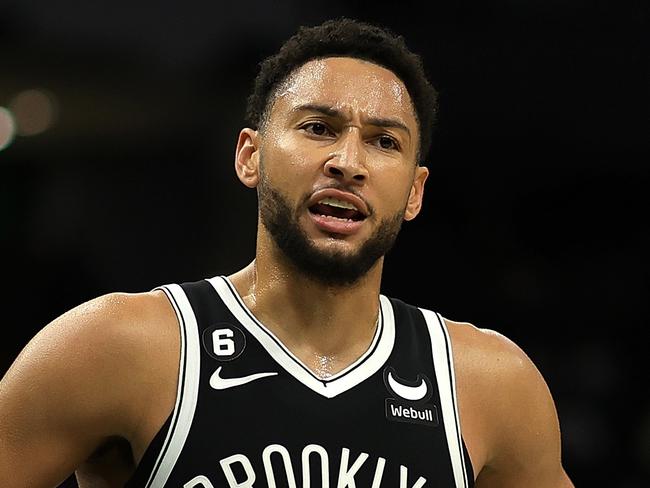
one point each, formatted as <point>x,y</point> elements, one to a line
<point>443,364</point>
<point>364,367</point>
<point>188,387</point>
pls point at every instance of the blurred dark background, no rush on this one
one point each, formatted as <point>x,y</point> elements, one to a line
<point>118,126</point>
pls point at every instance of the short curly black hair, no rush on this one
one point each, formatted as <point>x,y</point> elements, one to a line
<point>351,38</point>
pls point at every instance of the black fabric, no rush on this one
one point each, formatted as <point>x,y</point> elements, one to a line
<point>280,414</point>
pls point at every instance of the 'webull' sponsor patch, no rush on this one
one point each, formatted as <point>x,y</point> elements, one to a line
<point>413,414</point>
<point>409,402</point>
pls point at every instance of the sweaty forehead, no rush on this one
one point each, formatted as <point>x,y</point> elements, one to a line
<point>351,85</point>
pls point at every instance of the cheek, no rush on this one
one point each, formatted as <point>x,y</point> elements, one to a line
<point>289,158</point>
<point>284,144</point>
<point>286,167</point>
<point>396,188</point>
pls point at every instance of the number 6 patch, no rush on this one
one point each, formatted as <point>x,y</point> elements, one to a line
<point>224,341</point>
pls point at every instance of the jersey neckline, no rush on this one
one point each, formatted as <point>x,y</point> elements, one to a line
<point>365,366</point>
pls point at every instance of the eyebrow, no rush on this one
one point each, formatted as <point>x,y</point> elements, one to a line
<point>332,112</point>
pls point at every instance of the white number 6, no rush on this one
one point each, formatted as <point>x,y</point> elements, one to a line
<point>223,345</point>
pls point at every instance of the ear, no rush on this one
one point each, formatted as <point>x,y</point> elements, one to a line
<point>247,157</point>
<point>414,203</point>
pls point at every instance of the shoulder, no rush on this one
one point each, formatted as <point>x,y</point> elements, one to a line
<point>506,407</point>
<point>106,327</point>
<point>488,353</point>
<point>104,369</point>
<point>134,334</point>
<point>497,369</point>
<point>495,376</point>
<point>481,352</point>
<point>99,358</point>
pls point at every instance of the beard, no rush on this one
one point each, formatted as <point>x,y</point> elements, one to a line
<point>329,267</point>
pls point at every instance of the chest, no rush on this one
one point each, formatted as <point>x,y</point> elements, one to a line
<point>249,412</point>
<point>255,420</point>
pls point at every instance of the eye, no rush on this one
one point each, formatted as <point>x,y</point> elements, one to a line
<point>387,142</point>
<point>317,128</point>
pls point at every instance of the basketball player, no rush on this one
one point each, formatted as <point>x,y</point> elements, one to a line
<point>294,371</point>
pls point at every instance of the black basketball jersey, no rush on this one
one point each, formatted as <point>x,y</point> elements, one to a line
<point>249,413</point>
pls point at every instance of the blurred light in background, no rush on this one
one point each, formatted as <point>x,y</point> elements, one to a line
<point>7,128</point>
<point>34,111</point>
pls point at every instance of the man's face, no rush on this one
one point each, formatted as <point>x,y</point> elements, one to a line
<point>337,169</point>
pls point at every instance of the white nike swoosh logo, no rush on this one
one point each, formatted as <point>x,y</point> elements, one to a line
<point>219,383</point>
<point>413,393</point>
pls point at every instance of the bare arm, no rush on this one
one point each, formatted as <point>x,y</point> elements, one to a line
<point>511,412</point>
<point>76,384</point>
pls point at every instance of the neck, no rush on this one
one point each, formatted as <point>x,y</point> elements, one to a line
<point>327,327</point>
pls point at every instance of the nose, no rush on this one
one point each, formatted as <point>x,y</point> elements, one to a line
<point>348,162</point>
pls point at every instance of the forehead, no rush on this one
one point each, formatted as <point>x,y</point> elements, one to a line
<point>350,85</point>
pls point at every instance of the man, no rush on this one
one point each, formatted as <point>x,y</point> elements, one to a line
<point>294,371</point>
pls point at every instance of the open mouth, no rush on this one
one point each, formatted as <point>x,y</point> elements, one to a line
<point>338,209</point>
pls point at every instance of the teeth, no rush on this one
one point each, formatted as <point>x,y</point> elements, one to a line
<point>334,202</point>
<point>337,218</point>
